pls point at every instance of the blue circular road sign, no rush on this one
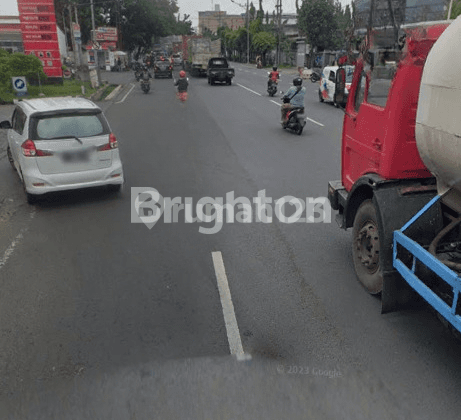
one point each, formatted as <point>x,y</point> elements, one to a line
<point>19,84</point>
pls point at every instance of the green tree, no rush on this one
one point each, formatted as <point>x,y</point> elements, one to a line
<point>286,46</point>
<point>18,64</point>
<point>139,20</point>
<point>164,10</point>
<point>241,41</point>
<point>344,22</point>
<point>263,42</point>
<point>455,9</point>
<point>207,33</point>
<point>143,23</point>
<point>316,19</point>
<point>184,26</point>
<point>256,26</point>
<point>221,31</point>
<point>229,42</point>
<point>235,42</point>
<point>260,14</point>
<point>252,12</point>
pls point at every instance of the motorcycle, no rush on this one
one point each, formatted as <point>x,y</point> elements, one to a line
<point>145,86</point>
<point>294,121</point>
<point>314,77</point>
<point>272,86</point>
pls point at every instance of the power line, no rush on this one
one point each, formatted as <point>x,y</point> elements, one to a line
<point>238,4</point>
<point>108,2</point>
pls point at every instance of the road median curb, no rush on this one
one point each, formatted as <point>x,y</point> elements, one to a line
<point>114,93</point>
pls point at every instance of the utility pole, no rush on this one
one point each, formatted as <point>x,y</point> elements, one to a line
<point>65,30</point>
<point>93,35</point>
<point>74,48</point>
<point>280,28</point>
<point>370,24</point>
<point>79,49</point>
<point>93,39</point>
<point>370,16</point>
<point>119,26</point>
<point>394,22</point>
<point>449,9</point>
<point>248,32</point>
<point>279,24</point>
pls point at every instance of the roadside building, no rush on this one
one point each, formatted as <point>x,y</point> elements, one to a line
<point>212,20</point>
<point>289,25</point>
<point>10,34</point>
<point>404,11</point>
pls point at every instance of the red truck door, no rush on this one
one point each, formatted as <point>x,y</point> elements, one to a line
<point>364,129</point>
<point>379,126</point>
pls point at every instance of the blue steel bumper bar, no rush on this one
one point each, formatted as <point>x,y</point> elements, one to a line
<point>440,269</point>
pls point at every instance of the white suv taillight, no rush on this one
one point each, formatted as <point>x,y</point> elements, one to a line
<point>29,150</point>
<point>111,145</point>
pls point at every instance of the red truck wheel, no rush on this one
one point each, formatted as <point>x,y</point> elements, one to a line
<point>366,248</point>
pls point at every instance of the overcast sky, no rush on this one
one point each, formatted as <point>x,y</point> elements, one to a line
<point>192,7</point>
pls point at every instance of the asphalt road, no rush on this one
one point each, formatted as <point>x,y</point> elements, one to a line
<point>102,318</point>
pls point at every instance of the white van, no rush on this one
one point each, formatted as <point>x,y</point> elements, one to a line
<point>327,88</point>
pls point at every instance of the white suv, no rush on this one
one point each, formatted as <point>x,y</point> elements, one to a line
<point>58,144</point>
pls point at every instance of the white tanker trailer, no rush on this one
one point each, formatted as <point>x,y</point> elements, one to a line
<point>438,118</point>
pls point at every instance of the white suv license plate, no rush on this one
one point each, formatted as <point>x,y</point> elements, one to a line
<point>71,157</point>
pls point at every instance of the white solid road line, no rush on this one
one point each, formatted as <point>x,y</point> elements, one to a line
<point>244,87</point>
<point>256,93</point>
<point>315,122</point>
<point>233,334</point>
<point>132,87</point>
<point>9,251</point>
<point>321,125</point>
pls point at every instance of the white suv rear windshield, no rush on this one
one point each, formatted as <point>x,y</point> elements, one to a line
<point>60,126</point>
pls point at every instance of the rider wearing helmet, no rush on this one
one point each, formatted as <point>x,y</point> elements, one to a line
<point>182,83</point>
<point>145,73</point>
<point>274,76</point>
<point>293,98</point>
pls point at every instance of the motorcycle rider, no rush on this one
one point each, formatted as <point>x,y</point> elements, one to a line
<point>182,83</point>
<point>274,76</point>
<point>145,74</point>
<point>138,70</point>
<point>293,98</point>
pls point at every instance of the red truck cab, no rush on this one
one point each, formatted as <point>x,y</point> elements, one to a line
<point>379,125</point>
<point>383,179</point>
